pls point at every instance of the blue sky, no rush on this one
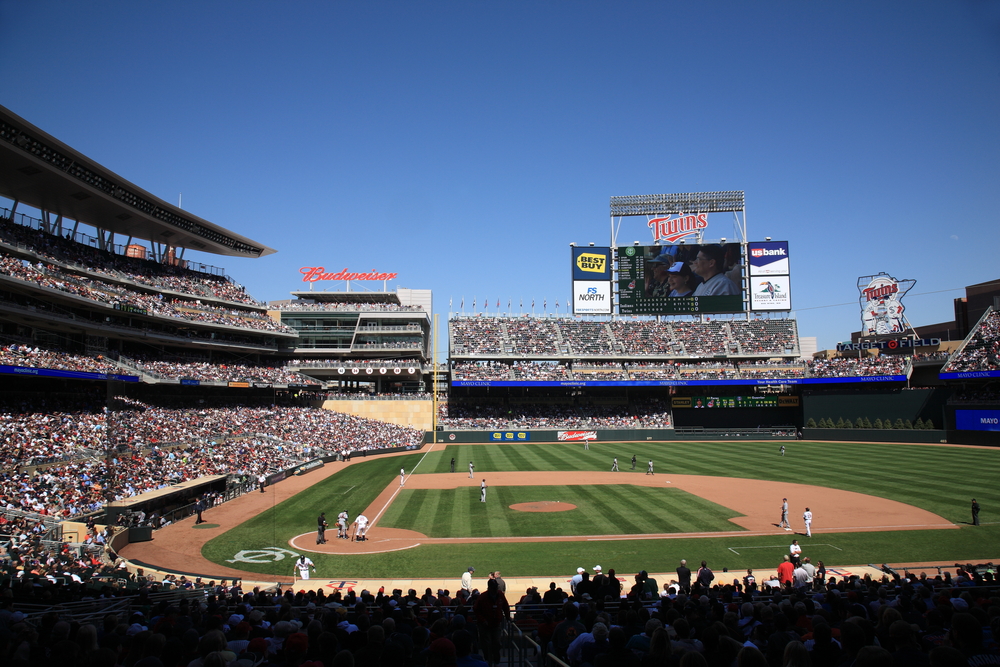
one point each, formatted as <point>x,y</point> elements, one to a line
<point>464,145</point>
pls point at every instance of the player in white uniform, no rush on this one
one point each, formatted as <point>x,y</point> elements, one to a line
<point>362,531</point>
<point>614,466</point>
<point>302,566</point>
<point>807,516</point>
<point>342,523</point>
<point>402,476</point>
<point>482,492</point>
<point>472,468</point>
<point>649,468</point>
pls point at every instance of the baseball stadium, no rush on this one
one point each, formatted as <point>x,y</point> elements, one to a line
<point>170,441</point>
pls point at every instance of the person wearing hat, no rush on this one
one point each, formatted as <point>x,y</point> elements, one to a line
<point>576,580</point>
<point>681,280</point>
<point>342,525</point>
<point>598,579</point>
<point>467,579</point>
<point>321,528</point>
<point>656,275</point>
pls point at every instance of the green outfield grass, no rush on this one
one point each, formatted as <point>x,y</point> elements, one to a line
<point>600,510</point>
<point>939,479</point>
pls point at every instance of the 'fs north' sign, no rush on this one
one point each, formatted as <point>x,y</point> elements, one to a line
<point>592,281</point>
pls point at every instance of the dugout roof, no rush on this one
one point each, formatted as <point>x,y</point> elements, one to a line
<point>41,171</point>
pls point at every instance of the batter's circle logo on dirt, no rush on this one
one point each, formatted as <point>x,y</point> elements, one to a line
<point>265,555</point>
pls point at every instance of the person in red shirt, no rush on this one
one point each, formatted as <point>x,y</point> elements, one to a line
<point>785,571</point>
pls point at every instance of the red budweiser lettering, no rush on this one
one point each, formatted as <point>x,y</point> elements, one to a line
<point>880,292</point>
<point>672,229</point>
<point>312,274</point>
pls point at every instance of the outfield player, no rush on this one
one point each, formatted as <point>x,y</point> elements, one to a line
<point>614,466</point>
<point>482,492</point>
<point>633,462</point>
<point>302,566</point>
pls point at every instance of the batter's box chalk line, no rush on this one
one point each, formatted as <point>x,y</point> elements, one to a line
<point>783,546</point>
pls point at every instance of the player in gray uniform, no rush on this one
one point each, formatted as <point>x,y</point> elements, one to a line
<point>784,515</point>
<point>342,525</point>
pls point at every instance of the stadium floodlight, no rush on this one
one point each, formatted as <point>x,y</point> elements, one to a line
<point>591,244</point>
<point>722,240</point>
<point>684,202</point>
<point>767,238</point>
<point>635,243</point>
<point>572,245</point>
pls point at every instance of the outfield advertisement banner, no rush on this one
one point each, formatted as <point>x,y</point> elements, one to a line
<point>675,383</point>
<point>968,375</point>
<point>977,420</point>
<point>510,436</point>
<point>571,436</point>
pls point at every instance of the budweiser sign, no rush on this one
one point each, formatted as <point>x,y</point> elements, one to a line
<point>312,274</point>
<point>673,229</point>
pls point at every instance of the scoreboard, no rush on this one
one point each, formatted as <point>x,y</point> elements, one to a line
<point>643,287</point>
<point>763,401</point>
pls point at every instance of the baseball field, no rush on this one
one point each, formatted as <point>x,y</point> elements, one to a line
<point>552,507</point>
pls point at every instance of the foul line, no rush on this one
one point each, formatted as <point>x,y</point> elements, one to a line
<point>783,546</point>
<point>399,488</point>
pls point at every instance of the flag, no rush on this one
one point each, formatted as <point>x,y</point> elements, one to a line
<point>449,303</point>
<point>532,303</point>
<point>508,303</point>
<point>545,303</point>
<point>473,303</point>
<point>463,303</point>
<point>498,303</point>
<point>557,305</point>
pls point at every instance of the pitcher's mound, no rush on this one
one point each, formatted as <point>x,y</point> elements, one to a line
<point>543,506</point>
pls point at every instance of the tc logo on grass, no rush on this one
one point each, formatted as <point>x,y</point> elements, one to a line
<point>265,555</point>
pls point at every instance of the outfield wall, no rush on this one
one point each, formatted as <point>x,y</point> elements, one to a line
<point>608,435</point>
<point>934,436</point>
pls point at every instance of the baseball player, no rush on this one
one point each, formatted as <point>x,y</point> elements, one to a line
<point>633,462</point>
<point>807,516</point>
<point>361,534</point>
<point>402,477</point>
<point>784,515</point>
<point>472,469</point>
<point>614,466</point>
<point>342,525</point>
<point>302,566</point>
<point>782,450</point>
<point>482,492</point>
<point>649,468</point>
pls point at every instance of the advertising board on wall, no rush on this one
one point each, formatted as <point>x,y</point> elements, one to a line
<point>770,293</point>
<point>592,293</point>
<point>977,420</point>
<point>768,258</point>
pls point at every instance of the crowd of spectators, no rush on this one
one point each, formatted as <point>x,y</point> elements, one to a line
<point>121,297</point>
<point>982,351</point>
<point>156,447</point>
<point>858,366</point>
<point>27,356</point>
<point>647,413</point>
<point>117,267</point>
<point>205,371</point>
<point>604,621</point>
<point>540,336</point>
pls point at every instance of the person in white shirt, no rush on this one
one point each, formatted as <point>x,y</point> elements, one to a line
<point>807,516</point>
<point>361,533</point>
<point>794,550</point>
<point>302,566</point>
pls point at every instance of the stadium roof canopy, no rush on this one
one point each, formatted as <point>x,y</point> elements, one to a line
<point>41,171</point>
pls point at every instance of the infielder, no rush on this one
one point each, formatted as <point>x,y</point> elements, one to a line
<point>482,492</point>
<point>472,469</point>
<point>649,468</point>
<point>614,466</point>
<point>784,515</point>
<point>302,566</point>
<point>807,516</point>
<point>633,462</point>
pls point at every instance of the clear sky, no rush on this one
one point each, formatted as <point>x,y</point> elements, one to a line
<point>464,145</point>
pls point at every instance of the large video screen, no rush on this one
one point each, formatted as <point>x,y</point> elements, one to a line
<point>679,279</point>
